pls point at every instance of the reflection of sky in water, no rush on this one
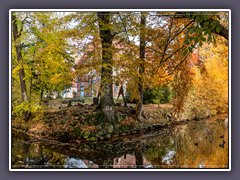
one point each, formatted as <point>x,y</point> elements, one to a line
<point>74,163</point>
<point>168,157</point>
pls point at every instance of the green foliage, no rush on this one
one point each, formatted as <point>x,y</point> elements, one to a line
<point>46,57</point>
<point>33,108</point>
<point>157,95</point>
<point>77,132</point>
<point>201,32</point>
<point>86,134</point>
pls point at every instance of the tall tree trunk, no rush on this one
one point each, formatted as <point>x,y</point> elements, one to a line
<point>16,35</point>
<point>106,99</point>
<point>141,66</point>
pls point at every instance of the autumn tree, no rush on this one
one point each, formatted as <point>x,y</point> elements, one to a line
<point>17,28</point>
<point>41,57</point>
<point>137,49</point>
<point>53,58</point>
<point>208,94</point>
<point>106,100</point>
<point>207,29</point>
<point>170,42</point>
<point>141,66</point>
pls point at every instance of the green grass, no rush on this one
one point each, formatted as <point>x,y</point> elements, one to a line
<point>88,100</point>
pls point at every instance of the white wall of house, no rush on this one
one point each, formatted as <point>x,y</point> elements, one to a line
<point>69,93</point>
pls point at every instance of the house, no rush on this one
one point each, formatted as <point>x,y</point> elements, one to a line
<point>87,85</point>
<point>70,92</point>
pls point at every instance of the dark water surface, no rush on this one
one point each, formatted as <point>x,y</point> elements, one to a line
<point>198,144</point>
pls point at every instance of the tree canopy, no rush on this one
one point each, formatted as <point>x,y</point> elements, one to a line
<point>138,50</point>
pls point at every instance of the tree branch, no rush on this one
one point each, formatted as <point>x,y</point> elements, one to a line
<point>167,41</point>
<point>177,65</point>
<point>223,31</point>
<point>125,29</point>
<point>182,30</point>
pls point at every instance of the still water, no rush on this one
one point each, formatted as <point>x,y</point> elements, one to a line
<point>198,144</point>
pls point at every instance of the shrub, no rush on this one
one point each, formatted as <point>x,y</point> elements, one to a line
<point>157,95</point>
<point>31,108</point>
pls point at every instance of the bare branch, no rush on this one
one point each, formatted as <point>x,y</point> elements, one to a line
<point>182,30</point>
<point>167,41</point>
<point>179,49</point>
<point>125,29</point>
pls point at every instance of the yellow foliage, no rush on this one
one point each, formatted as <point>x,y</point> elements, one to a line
<point>209,94</point>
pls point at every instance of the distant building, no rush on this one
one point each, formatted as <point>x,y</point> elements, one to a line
<point>88,84</point>
<point>70,92</point>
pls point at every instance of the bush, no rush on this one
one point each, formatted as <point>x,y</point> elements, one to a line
<point>20,110</point>
<point>157,95</point>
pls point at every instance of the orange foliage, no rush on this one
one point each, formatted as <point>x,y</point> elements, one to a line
<point>209,92</point>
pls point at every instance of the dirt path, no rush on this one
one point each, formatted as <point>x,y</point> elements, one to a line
<point>152,106</point>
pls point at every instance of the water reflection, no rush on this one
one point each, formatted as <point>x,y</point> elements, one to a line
<point>168,158</point>
<point>202,144</point>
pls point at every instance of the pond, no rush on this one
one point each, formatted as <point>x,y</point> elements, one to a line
<point>197,144</point>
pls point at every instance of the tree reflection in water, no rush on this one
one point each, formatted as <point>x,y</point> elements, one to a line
<point>200,144</point>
